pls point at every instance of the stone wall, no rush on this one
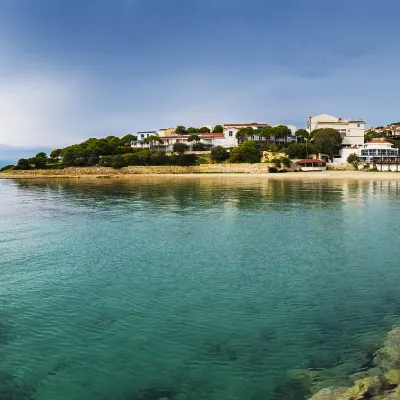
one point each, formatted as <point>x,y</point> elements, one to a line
<point>204,168</point>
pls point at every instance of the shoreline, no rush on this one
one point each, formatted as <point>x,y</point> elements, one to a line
<point>320,175</point>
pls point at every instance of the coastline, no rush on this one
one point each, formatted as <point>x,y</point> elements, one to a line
<point>208,170</point>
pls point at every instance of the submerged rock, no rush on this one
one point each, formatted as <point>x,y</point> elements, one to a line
<point>13,388</point>
<point>364,389</point>
<point>329,394</point>
<point>388,357</point>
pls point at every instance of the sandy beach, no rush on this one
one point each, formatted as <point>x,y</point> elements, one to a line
<point>323,175</point>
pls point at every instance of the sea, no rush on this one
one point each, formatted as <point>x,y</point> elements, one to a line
<point>194,288</point>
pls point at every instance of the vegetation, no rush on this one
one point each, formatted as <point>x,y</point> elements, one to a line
<point>181,130</point>
<point>354,160</point>
<point>108,152</point>
<point>194,138</point>
<point>179,148</point>
<point>247,153</point>
<point>374,135</point>
<point>218,129</point>
<point>151,140</point>
<point>327,141</point>
<point>219,154</point>
<point>6,168</point>
<point>300,150</point>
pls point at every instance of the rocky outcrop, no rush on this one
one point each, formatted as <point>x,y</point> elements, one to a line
<point>145,170</point>
<point>383,385</point>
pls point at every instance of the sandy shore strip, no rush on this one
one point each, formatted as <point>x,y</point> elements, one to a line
<point>322,175</point>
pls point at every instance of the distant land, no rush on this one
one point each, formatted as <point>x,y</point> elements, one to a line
<point>11,154</point>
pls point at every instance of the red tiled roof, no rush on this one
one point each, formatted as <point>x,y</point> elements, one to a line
<point>252,124</point>
<point>382,141</point>
<point>309,161</point>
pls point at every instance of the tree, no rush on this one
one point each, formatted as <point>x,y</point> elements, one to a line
<point>245,133</point>
<point>180,130</point>
<point>204,129</point>
<point>151,140</point>
<point>198,146</point>
<point>192,130</point>
<point>56,153</point>
<point>300,150</point>
<point>39,161</point>
<point>219,154</point>
<point>246,153</point>
<point>218,129</point>
<point>281,132</point>
<point>327,141</point>
<point>354,160</point>
<point>23,163</point>
<point>194,138</point>
<point>267,132</point>
<point>302,134</point>
<point>127,140</point>
<point>179,148</point>
<point>117,161</point>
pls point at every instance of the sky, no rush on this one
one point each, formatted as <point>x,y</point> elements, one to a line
<point>73,69</point>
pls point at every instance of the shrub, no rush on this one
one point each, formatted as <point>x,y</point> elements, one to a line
<point>199,147</point>
<point>6,168</point>
<point>219,154</point>
<point>117,161</point>
<point>179,148</point>
<point>272,170</point>
<point>246,153</point>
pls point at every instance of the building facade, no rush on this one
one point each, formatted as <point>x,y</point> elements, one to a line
<point>163,132</point>
<point>230,131</point>
<point>352,131</point>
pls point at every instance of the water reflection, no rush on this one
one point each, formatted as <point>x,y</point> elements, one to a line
<point>201,193</point>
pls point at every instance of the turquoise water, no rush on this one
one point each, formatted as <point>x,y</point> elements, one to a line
<point>192,288</point>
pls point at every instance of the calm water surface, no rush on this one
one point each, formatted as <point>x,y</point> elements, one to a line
<point>193,288</point>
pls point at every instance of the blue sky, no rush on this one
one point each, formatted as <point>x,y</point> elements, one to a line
<point>72,69</point>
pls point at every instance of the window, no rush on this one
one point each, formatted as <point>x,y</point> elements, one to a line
<point>142,135</point>
<point>230,133</point>
<point>358,125</point>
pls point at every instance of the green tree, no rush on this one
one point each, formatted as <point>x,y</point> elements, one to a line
<point>354,160</point>
<point>179,148</point>
<point>151,140</point>
<point>248,152</point>
<point>56,153</point>
<point>302,134</point>
<point>219,154</point>
<point>281,132</point>
<point>192,130</point>
<point>300,150</point>
<point>180,130</point>
<point>218,129</point>
<point>245,133</point>
<point>127,140</point>
<point>327,141</point>
<point>194,138</point>
<point>267,132</point>
<point>199,147</point>
<point>117,161</point>
<point>23,163</point>
<point>204,129</point>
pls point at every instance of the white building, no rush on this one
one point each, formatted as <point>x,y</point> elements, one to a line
<point>209,140</point>
<point>230,131</point>
<point>375,153</point>
<point>352,131</point>
<point>380,154</point>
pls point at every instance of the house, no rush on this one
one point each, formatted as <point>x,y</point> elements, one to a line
<point>209,140</point>
<point>140,136</point>
<point>380,154</point>
<point>312,165</point>
<point>230,131</point>
<point>163,132</point>
<point>351,130</point>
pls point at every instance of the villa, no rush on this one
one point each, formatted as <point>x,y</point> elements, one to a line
<point>380,154</point>
<point>351,130</point>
